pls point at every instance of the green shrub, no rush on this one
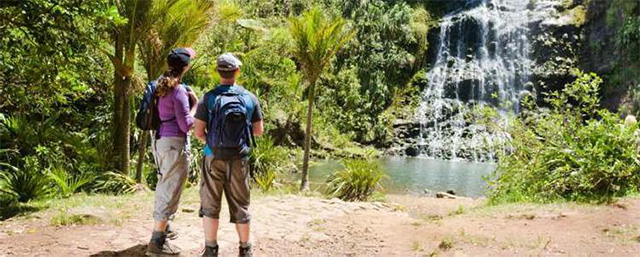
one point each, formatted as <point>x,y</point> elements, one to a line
<point>68,184</point>
<point>195,166</point>
<point>574,151</point>
<point>357,181</point>
<point>268,161</point>
<point>116,183</point>
<point>266,180</point>
<point>26,183</point>
<point>150,174</point>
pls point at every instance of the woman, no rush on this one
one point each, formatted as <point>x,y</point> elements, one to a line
<point>170,147</point>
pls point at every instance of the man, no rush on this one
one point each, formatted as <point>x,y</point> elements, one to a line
<point>225,167</point>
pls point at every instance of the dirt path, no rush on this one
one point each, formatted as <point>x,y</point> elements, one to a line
<point>293,225</point>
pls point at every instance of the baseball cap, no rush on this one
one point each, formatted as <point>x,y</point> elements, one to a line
<point>180,57</point>
<point>228,62</point>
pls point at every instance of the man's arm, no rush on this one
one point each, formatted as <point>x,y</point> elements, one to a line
<point>202,115</point>
<point>257,127</point>
<point>200,130</point>
<point>257,123</point>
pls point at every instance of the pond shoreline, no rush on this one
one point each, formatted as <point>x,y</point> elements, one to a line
<point>414,176</point>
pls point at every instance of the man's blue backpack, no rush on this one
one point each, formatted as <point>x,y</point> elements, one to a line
<point>229,132</point>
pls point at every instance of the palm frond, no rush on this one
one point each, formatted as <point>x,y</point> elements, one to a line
<point>25,184</point>
<point>317,39</point>
<point>172,24</point>
<point>69,184</point>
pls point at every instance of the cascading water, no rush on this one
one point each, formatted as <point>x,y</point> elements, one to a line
<point>482,60</point>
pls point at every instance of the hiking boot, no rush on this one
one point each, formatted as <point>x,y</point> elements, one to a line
<point>160,247</point>
<point>210,251</point>
<point>245,251</point>
<point>167,249</point>
<point>171,234</point>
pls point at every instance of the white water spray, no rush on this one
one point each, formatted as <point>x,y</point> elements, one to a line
<point>482,59</point>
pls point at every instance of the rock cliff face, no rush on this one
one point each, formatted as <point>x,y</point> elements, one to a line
<point>581,34</point>
<point>599,53</point>
<point>490,52</point>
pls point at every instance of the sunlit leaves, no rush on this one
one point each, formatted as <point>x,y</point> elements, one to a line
<point>113,15</point>
<point>574,151</point>
<point>317,39</point>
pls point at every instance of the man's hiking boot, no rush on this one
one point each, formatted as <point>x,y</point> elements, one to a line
<point>210,251</point>
<point>245,251</point>
<point>171,234</point>
<point>160,247</point>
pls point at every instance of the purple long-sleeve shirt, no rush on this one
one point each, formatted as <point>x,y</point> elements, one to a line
<point>173,109</point>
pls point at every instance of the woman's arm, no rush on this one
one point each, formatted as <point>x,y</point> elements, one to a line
<point>183,111</point>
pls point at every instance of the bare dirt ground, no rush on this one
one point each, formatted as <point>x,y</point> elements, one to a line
<point>292,225</point>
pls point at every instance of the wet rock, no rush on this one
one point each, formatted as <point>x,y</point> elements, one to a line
<point>412,151</point>
<point>445,195</point>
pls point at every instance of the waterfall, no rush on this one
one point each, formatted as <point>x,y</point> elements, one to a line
<point>482,60</point>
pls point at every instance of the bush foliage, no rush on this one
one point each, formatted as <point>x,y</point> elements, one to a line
<point>572,151</point>
<point>357,181</point>
<point>268,162</point>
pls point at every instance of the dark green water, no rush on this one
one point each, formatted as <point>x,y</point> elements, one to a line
<point>414,175</point>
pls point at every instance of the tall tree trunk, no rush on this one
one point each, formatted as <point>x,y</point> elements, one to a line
<point>118,85</point>
<point>117,120</point>
<point>144,134</point>
<point>122,121</point>
<point>125,158</point>
<point>142,151</point>
<point>125,122</point>
<point>304,185</point>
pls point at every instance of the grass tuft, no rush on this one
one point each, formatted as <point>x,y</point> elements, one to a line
<point>446,244</point>
<point>65,219</point>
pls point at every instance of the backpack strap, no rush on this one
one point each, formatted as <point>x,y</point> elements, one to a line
<point>210,100</point>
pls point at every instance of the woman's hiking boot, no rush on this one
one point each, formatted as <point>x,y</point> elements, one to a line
<point>245,251</point>
<point>210,251</point>
<point>171,234</point>
<point>159,246</point>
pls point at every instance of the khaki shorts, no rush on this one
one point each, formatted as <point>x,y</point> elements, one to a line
<point>230,177</point>
<point>172,159</point>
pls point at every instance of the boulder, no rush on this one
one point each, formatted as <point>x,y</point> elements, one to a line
<point>445,195</point>
<point>412,151</point>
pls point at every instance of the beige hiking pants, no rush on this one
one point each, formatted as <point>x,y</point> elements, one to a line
<point>172,159</point>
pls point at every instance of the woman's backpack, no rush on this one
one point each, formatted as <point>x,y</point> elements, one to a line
<point>148,117</point>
